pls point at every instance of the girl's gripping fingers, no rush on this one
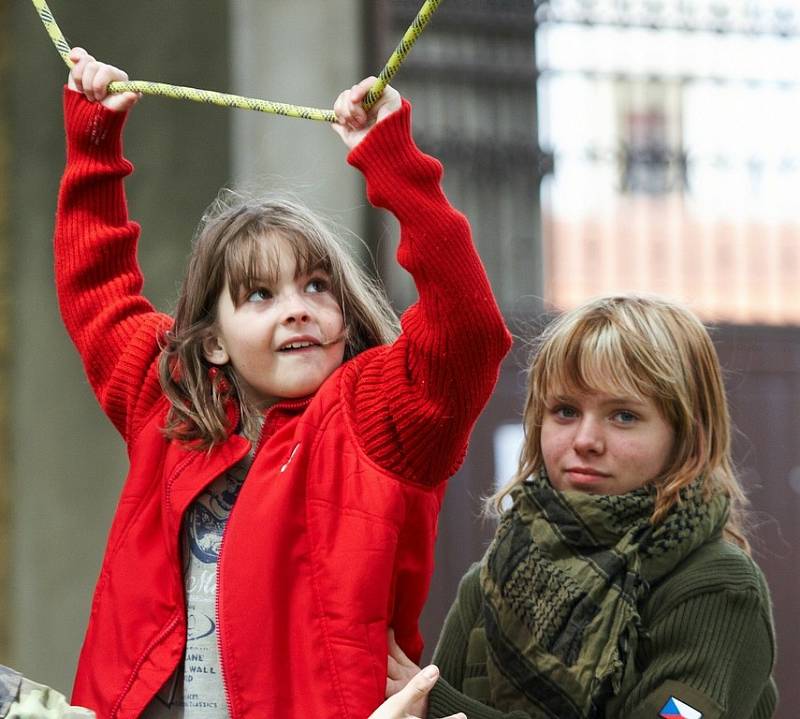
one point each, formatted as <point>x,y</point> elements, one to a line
<point>340,108</point>
<point>92,78</point>
<point>87,79</point>
<point>103,77</point>
<point>360,90</point>
<point>348,113</point>
<point>76,53</point>
<point>81,58</point>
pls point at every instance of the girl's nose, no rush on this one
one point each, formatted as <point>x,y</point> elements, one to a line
<point>588,437</point>
<point>295,309</point>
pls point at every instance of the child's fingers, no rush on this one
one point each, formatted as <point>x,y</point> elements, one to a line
<point>100,81</point>
<point>359,91</point>
<point>341,108</point>
<point>105,75</point>
<point>387,103</point>
<point>394,649</point>
<point>409,697</point>
<point>394,669</point>
<point>87,79</point>
<point>81,60</point>
<point>349,114</point>
<point>358,115</point>
<point>398,655</point>
<point>92,78</point>
<point>76,53</point>
<point>420,684</point>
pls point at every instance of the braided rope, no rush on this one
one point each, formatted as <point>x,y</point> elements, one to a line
<point>399,55</point>
<point>248,103</point>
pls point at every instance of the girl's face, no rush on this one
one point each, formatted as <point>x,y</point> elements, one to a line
<point>603,443</point>
<point>284,339</point>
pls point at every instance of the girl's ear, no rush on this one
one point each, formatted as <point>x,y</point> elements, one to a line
<point>214,350</point>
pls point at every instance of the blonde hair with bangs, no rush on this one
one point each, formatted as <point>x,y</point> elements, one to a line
<point>644,347</point>
<point>234,245</point>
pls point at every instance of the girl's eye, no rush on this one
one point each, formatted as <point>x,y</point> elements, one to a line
<point>623,416</point>
<point>259,295</point>
<point>317,284</point>
<point>565,412</point>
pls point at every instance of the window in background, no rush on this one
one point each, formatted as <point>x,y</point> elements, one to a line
<point>677,156</point>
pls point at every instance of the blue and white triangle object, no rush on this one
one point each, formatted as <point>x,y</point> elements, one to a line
<point>676,709</point>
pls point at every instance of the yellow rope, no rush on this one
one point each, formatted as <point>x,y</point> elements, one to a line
<point>249,103</point>
<point>400,52</point>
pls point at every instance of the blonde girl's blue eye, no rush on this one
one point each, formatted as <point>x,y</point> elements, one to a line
<point>623,416</point>
<point>565,412</point>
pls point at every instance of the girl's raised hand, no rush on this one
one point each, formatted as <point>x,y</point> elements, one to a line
<point>92,78</point>
<point>353,122</point>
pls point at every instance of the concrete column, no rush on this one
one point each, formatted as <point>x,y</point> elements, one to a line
<point>67,464</point>
<point>5,181</point>
<point>303,52</point>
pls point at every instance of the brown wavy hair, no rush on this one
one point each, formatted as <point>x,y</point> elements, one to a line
<point>640,346</point>
<point>228,247</point>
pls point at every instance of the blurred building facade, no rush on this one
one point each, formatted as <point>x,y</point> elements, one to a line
<point>593,145</point>
<point>672,124</point>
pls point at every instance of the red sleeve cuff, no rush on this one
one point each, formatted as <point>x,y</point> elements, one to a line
<point>92,129</point>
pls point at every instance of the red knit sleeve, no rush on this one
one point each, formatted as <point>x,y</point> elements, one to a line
<point>98,279</point>
<point>415,404</point>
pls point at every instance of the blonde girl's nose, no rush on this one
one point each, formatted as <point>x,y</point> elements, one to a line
<point>588,436</point>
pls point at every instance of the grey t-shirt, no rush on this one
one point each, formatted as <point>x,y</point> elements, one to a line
<point>196,690</point>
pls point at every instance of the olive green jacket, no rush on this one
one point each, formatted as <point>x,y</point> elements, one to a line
<point>707,641</point>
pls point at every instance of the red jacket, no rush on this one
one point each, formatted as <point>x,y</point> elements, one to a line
<point>331,539</point>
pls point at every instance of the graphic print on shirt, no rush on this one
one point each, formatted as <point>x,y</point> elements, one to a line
<point>206,518</point>
<point>196,690</point>
<point>204,526</point>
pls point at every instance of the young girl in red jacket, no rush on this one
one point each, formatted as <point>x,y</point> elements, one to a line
<point>288,448</point>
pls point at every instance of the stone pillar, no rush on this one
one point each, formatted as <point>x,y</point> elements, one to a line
<point>5,181</point>
<point>303,52</point>
<point>67,464</point>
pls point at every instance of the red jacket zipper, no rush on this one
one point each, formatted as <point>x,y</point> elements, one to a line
<point>159,638</point>
<point>261,435</point>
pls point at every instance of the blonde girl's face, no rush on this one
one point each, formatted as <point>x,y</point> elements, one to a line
<point>284,337</point>
<point>603,443</point>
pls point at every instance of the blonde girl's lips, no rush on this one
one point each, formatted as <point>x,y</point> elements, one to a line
<point>589,471</point>
<point>581,476</point>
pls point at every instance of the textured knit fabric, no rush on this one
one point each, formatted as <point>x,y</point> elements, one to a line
<point>706,638</point>
<point>562,583</point>
<point>331,538</point>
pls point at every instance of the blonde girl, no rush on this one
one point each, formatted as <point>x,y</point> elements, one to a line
<point>619,582</point>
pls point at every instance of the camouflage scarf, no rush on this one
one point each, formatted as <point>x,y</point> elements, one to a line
<point>562,584</point>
